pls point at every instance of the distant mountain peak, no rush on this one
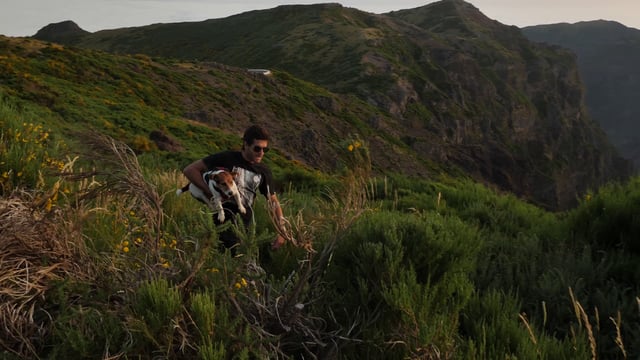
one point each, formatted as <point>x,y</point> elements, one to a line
<point>449,15</point>
<point>62,32</point>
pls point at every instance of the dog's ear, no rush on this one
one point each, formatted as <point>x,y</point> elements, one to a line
<point>234,174</point>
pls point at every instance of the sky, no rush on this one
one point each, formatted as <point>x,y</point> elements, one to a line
<point>26,17</point>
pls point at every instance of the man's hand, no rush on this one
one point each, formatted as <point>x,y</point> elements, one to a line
<point>275,212</point>
<point>278,242</point>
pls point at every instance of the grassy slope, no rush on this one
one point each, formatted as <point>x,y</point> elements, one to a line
<point>130,96</point>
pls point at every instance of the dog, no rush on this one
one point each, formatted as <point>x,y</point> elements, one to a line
<point>223,187</point>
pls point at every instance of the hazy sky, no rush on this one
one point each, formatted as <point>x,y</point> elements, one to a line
<point>26,17</point>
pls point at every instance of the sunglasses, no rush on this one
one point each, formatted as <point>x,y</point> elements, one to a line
<point>257,149</point>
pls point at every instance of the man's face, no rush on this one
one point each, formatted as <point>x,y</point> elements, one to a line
<point>254,152</point>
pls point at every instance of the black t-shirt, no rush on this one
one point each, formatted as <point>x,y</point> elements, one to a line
<point>251,179</point>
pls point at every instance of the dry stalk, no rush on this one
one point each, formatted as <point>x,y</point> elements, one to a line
<point>617,322</point>
<point>532,335</point>
<point>523,317</point>
<point>592,339</point>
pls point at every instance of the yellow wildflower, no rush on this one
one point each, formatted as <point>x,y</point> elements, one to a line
<point>350,147</point>
<point>125,249</point>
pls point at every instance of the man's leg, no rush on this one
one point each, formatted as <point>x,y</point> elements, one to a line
<point>228,238</point>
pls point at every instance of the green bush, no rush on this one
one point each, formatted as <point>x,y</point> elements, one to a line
<point>203,313</point>
<point>85,332</point>
<point>156,305</point>
<point>401,280</point>
<point>609,220</point>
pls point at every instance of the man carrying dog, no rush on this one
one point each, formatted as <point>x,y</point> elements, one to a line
<point>253,177</point>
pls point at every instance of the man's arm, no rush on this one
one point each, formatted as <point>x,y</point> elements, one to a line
<point>276,207</point>
<point>279,221</point>
<point>194,172</point>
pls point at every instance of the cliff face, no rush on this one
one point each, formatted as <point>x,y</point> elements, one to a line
<point>463,90</point>
<point>508,110</point>
<point>608,55</point>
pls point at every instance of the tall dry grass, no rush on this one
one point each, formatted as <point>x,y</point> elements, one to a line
<point>122,177</point>
<point>584,330</point>
<point>39,247</point>
<point>43,244</point>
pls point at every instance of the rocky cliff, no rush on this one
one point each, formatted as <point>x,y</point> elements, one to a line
<point>608,55</point>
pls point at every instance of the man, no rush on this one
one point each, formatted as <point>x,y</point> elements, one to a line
<point>253,177</point>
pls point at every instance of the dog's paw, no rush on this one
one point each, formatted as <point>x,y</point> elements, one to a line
<point>242,209</point>
<point>221,216</point>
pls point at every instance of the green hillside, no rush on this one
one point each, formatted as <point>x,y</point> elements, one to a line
<point>101,260</point>
<point>447,83</point>
<point>199,108</point>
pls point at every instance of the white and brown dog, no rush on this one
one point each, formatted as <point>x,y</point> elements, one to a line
<point>223,187</point>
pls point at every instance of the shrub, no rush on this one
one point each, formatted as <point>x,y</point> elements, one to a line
<point>609,219</point>
<point>87,332</point>
<point>400,280</point>
<point>156,306</point>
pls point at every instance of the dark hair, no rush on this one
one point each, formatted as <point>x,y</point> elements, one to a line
<point>255,132</point>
